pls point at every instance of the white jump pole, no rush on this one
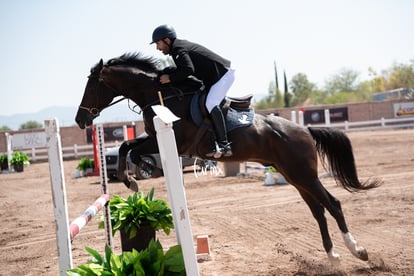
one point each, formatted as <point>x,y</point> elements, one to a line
<point>9,139</point>
<point>327,117</point>
<point>175,186</point>
<point>301,119</point>
<point>293,116</point>
<point>57,179</point>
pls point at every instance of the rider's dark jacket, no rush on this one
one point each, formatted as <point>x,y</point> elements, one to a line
<point>196,60</point>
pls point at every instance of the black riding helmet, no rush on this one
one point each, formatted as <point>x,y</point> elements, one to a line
<point>163,31</point>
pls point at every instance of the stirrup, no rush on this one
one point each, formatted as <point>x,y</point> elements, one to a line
<point>217,152</point>
<point>226,150</point>
<point>220,151</point>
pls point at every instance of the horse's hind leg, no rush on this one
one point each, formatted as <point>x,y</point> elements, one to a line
<point>336,211</point>
<point>317,200</point>
<point>318,212</point>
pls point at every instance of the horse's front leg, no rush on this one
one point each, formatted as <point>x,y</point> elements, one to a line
<point>136,148</point>
<point>122,163</point>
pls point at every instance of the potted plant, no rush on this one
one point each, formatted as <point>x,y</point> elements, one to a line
<point>18,160</point>
<point>150,261</point>
<point>4,162</point>
<point>85,165</point>
<point>137,218</point>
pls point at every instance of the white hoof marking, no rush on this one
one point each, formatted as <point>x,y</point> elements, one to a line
<point>334,257</point>
<point>352,245</point>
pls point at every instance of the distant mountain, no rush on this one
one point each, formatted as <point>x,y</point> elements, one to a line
<point>66,116</point>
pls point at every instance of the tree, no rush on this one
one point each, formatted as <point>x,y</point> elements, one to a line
<point>301,87</point>
<point>278,95</point>
<point>274,98</point>
<point>318,96</point>
<point>401,76</point>
<point>377,83</point>
<point>30,125</point>
<point>342,97</point>
<point>287,96</point>
<point>5,128</point>
<point>365,90</point>
<point>345,81</point>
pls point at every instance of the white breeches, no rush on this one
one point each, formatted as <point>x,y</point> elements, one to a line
<point>219,90</point>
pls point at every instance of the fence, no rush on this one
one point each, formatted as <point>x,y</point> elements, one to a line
<point>74,152</point>
<point>383,123</point>
<point>372,125</point>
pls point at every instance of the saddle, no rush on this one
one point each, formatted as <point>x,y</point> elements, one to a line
<point>237,111</point>
<point>238,103</point>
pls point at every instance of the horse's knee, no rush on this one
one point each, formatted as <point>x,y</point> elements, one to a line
<point>124,148</point>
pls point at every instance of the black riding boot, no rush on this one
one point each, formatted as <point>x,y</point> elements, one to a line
<point>223,147</point>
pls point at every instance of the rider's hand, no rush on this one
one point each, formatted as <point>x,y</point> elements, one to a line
<point>165,79</point>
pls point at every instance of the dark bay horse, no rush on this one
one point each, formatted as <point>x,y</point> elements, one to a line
<point>272,141</point>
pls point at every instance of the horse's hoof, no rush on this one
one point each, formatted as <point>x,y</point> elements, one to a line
<point>126,183</point>
<point>334,258</point>
<point>133,184</point>
<point>362,254</point>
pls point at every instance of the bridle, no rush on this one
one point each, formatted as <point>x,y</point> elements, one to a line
<point>94,111</point>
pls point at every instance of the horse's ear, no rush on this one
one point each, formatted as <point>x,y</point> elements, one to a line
<point>101,63</point>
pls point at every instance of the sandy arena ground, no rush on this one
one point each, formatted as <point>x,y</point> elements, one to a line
<point>253,229</point>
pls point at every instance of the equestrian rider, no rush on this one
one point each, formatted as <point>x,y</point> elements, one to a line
<point>213,70</point>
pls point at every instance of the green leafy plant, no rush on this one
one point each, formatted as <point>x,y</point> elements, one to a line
<point>85,163</point>
<point>272,169</point>
<point>4,162</point>
<point>138,211</point>
<point>19,158</point>
<point>3,157</point>
<point>150,261</point>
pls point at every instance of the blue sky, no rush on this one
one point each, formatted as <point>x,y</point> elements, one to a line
<point>48,47</point>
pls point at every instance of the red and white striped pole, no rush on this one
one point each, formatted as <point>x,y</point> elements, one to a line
<point>87,215</point>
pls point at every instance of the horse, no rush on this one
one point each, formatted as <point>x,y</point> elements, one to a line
<point>270,140</point>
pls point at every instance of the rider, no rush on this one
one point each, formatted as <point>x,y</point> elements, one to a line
<point>196,60</point>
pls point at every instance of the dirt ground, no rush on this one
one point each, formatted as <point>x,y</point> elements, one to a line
<point>254,229</point>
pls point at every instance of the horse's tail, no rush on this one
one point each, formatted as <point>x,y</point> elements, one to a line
<point>335,147</point>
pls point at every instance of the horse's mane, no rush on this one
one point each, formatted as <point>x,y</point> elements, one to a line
<point>138,60</point>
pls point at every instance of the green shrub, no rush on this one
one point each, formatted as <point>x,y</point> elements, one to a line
<point>150,261</point>
<point>19,158</point>
<point>138,211</point>
<point>85,163</point>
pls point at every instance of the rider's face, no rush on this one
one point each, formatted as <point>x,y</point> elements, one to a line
<point>163,45</point>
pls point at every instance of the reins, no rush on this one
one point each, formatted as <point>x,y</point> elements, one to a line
<point>169,97</point>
